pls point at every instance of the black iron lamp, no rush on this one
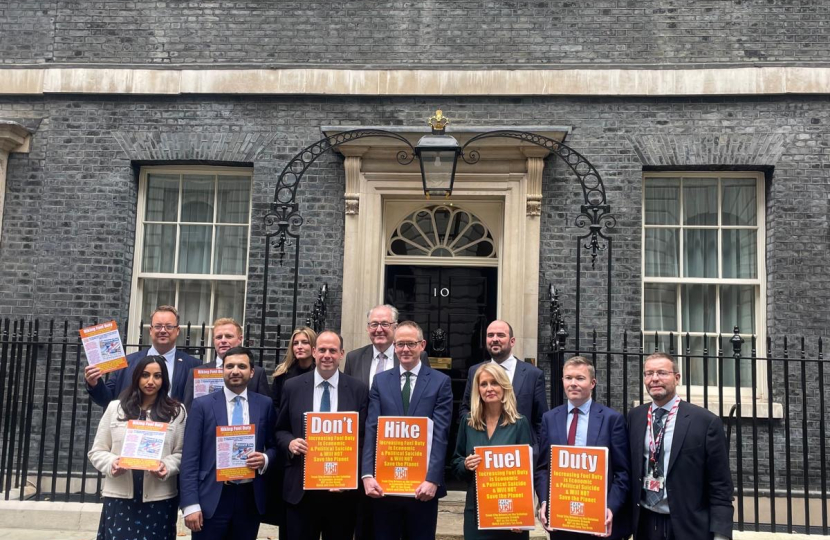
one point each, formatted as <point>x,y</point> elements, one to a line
<point>438,154</point>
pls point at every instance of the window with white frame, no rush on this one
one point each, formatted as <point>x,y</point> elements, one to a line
<point>192,238</point>
<point>703,271</point>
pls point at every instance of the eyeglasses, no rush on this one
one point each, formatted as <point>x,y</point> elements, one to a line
<point>659,374</point>
<point>160,327</point>
<point>407,344</point>
<point>384,325</point>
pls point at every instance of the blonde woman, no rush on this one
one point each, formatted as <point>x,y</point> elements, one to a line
<point>493,420</point>
<point>298,360</point>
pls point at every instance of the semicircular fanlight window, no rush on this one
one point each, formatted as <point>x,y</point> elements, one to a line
<point>442,231</point>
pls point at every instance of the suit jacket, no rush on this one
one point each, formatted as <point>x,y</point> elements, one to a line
<point>432,397</point>
<point>606,427</point>
<point>529,387</point>
<point>197,478</point>
<point>359,362</point>
<point>298,399</point>
<point>104,392</point>
<point>258,383</point>
<point>698,480</point>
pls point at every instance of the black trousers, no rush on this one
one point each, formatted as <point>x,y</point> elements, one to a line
<point>654,526</point>
<point>325,513</point>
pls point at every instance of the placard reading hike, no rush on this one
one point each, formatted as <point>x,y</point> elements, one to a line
<point>103,348</point>
<point>143,445</point>
<point>504,487</point>
<point>578,490</point>
<point>402,457</point>
<point>206,381</point>
<point>233,444</point>
<point>331,461</point>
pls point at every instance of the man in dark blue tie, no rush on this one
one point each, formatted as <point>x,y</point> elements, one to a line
<point>216,510</point>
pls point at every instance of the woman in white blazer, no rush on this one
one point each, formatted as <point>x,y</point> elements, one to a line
<point>140,504</point>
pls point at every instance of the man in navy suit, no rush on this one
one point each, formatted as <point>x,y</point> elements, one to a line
<point>528,380</point>
<point>411,390</point>
<point>217,510</point>
<point>323,390</point>
<point>583,422</point>
<point>164,329</point>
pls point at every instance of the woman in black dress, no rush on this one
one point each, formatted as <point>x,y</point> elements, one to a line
<point>493,420</point>
<point>137,503</point>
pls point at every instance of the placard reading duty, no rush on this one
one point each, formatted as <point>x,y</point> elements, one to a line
<point>331,461</point>
<point>402,457</point>
<point>578,489</point>
<point>504,487</point>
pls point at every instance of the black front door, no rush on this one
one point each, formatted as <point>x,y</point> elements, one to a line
<point>454,307</point>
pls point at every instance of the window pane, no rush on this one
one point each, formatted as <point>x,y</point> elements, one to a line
<point>162,197</point>
<point>698,303</point>
<point>194,303</point>
<point>701,253</point>
<point>154,293</point>
<point>234,199</point>
<point>662,252</point>
<point>729,363</point>
<point>231,250</point>
<point>159,248</point>
<point>230,299</point>
<point>740,253</point>
<point>696,360</point>
<point>700,202</point>
<point>737,307</point>
<point>739,202</point>
<point>660,307</point>
<point>662,198</point>
<point>194,249</point>
<point>197,199</point>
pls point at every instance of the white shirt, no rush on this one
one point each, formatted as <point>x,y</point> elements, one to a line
<point>581,437</point>
<point>389,362</point>
<point>662,507</point>
<point>412,378</point>
<point>318,390</point>
<point>509,366</point>
<point>170,360</point>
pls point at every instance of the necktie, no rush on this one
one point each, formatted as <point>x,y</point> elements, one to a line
<point>236,418</point>
<point>325,402</point>
<point>381,364</point>
<point>406,391</point>
<point>654,497</point>
<point>572,429</point>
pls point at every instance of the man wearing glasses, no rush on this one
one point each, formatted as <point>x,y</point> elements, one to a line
<point>164,329</point>
<point>681,485</point>
<point>411,389</point>
<point>366,362</point>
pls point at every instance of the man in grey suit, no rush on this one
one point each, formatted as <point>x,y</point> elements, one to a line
<point>366,362</point>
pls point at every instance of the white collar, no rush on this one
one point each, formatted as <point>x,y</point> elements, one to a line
<point>585,408</point>
<point>333,380</point>
<point>414,371</point>
<point>509,364</point>
<point>390,352</point>
<point>170,355</point>
<point>229,395</point>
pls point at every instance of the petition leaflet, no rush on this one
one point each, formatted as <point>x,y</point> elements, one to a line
<point>233,444</point>
<point>143,445</point>
<point>331,461</point>
<point>402,457</point>
<point>504,487</point>
<point>103,348</point>
<point>578,489</point>
<point>207,381</point>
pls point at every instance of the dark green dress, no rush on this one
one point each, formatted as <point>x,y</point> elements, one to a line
<point>469,438</point>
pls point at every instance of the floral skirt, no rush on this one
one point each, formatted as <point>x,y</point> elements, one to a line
<point>132,519</point>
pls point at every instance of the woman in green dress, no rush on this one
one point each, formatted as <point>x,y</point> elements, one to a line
<point>493,420</point>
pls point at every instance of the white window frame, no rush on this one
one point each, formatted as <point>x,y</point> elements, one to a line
<point>138,277</point>
<point>697,391</point>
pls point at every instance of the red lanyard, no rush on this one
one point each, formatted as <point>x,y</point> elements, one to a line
<point>655,445</point>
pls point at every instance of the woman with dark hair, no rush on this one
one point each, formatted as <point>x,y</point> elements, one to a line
<point>140,504</point>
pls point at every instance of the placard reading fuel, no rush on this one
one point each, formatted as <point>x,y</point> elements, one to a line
<point>402,457</point>
<point>331,461</point>
<point>504,487</point>
<point>578,489</point>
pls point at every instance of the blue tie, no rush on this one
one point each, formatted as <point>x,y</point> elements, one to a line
<point>236,420</point>
<point>325,402</point>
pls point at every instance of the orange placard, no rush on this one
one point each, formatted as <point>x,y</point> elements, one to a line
<point>331,461</point>
<point>578,488</point>
<point>402,454</point>
<point>233,444</point>
<point>207,380</point>
<point>143,445</point>
<point>103,348</point>
<point>504,487</point>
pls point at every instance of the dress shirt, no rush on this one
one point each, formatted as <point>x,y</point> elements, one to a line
<point>412,378</point>
<point>509,366</point>
<point>390,358</point>
<point>662,507</point>
<point>170,360</point>
<point>581,438</point>
<point>318,390</point>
